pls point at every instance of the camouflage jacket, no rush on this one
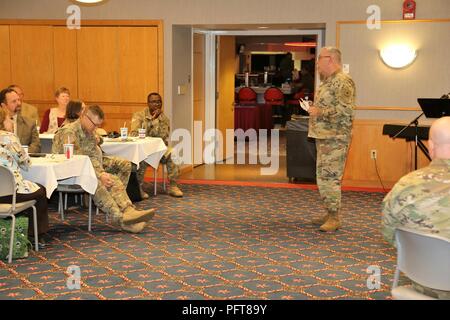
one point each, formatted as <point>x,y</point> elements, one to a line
<point>159,127</point>
<point>336,100</point>
<point>420,201</point>
<point>84,143</point>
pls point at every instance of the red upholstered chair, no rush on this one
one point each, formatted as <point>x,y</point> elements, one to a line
<point>275,98</point>
<point>246,96</point>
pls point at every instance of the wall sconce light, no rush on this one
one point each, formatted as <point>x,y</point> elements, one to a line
<point>398,55</point>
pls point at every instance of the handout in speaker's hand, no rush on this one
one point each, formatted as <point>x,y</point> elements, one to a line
<point>304,104</point>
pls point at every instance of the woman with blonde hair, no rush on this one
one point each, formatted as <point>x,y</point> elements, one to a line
<point>54,117</point>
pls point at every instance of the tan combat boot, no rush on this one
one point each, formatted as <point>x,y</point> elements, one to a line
<point>133,228</point>
<point>132,216</point>
<point>332,224</point>
<point>320,221</point>
<point>174,191</point>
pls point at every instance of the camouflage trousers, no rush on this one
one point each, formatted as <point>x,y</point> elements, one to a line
<point>331,157</point>
<point>173,170</point>
<point>114,200</point>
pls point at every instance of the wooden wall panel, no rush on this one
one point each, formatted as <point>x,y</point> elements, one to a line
<point>5,57</point>
<point>138,62</point>
<point>98,64</point>
<point>116,115</point>
<point>65,59</point>
<point>394,157</point>
<point>32,60</point>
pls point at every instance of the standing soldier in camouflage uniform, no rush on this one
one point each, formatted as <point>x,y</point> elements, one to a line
<point>421,199</point>
<point>112,173</point>
<point>330,123</point>
<point>157,125</point>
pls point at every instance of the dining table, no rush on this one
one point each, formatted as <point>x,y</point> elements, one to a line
<point>49,170</point>
<point>135,149</point>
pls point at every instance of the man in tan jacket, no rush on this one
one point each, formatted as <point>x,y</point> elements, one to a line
<point>28,110</point>
<point>24,127</point>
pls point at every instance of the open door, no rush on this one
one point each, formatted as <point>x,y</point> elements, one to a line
<point>199,95</point>
<point>226,64</point>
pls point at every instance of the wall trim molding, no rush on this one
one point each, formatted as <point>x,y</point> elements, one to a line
<point>101,103</point>
<point>86,23</point>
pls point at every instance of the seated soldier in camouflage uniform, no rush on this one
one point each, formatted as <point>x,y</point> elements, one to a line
<point>157,125</point>
<point>421,199</point>
<point>112,172</point>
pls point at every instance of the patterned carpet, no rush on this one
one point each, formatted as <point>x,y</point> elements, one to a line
<point>218,242</point>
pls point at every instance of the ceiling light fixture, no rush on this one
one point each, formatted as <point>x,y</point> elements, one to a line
<point>89,2</point>
<point>398,56</point>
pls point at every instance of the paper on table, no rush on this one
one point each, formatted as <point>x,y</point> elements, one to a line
<point>304,104</point>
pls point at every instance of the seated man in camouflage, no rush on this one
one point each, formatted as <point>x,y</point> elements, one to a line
<point>157,125</point>
<point>112,173</point>
<point>421,199</point>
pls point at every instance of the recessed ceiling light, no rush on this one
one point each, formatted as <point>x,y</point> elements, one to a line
<point>263,27</point>
<point>89,2</point>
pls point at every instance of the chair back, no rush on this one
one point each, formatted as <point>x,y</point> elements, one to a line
<point>300,95</point>
<point>246,95</point>
<point>8,185</point>
<point>274,95</point>
<point>423,258</point>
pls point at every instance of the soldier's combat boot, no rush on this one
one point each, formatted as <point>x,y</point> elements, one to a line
<point>133,228</point>
<point>132,216</point>
<point>174,191</point>
<point>320,221</point>
<point>332,224</point>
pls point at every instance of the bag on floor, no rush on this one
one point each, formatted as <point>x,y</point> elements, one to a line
<point>21,242</point>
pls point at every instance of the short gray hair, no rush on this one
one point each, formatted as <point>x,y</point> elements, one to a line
<point>336,53</point>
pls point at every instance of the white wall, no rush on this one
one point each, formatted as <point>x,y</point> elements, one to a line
<point>181,76</point>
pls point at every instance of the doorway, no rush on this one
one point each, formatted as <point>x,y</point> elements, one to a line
<point>219,91</point>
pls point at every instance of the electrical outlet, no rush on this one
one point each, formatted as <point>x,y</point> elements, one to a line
<point>373,154</point>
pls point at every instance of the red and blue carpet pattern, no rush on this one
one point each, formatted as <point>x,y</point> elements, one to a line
<point>217,242</point>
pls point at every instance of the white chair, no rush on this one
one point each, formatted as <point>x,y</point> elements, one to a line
<point>73,189</point>
<point>155,176</point>
<point>8,188</point>
<point>423,258</point>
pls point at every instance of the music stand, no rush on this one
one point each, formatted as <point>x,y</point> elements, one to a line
<point>435,108</point>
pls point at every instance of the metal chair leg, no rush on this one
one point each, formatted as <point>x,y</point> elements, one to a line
<point>36,240</point>
<point>164,178</point>
<point>155,174</point>
<point>61,207</point>
<point>11,241</point>
<point>90,213</point>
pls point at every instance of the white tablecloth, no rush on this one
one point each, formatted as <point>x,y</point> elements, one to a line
<point>55,169</point>
<point>149,149</point>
